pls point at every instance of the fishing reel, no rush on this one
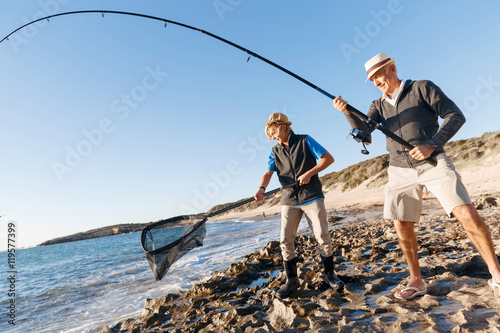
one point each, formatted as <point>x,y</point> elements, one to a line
<point>362,137</point>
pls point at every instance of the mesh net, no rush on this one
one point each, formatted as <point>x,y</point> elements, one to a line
<point>166,241</point>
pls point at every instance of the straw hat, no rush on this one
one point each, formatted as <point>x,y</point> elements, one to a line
<point>376,63</point>
<point>278,118</point>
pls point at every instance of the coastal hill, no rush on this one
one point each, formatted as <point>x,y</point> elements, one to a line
<point>477,160</point>
<point>362,184</point>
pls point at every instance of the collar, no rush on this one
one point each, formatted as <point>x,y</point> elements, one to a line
<point>395,94</point>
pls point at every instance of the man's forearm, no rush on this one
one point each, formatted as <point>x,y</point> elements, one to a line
<point>447,130</point>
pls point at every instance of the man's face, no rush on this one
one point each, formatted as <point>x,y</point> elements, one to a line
<point>386,79</point>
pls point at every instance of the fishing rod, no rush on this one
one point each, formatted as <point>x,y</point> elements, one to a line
<point>359,136</point>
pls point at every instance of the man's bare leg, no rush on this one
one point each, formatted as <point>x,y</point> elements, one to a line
<point>408,243</point>
<point>479,234</point>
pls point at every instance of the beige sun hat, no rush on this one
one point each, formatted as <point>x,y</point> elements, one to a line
<point>278,117</point>
<point>376,63</point>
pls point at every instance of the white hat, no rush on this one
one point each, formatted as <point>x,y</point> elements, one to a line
<point>377,62</point>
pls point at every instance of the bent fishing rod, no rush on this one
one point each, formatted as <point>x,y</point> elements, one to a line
<point>372,124</point>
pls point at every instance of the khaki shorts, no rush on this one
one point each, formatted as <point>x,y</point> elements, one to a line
<point>403,192</point>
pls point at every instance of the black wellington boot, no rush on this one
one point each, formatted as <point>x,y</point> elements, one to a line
<point>332,279</point>
<point>292,281</point>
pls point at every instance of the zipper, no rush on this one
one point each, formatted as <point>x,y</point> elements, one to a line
<point>287,152</point>
<point>400,133</point>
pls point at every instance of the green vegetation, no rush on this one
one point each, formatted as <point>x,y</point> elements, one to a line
<point>464,151</point>
<point>356,174</point>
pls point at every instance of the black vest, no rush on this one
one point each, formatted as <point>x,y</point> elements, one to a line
<point>293,163</point>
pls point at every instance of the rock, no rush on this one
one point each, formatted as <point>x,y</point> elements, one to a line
<point>373,267</point>
<point>281,315</point>
<point>334,219</point>
<point>484,203</point>
<point>427,301</point>
<point>321,325</point>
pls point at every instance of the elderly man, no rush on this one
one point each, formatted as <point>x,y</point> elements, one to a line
<point>411,109</point>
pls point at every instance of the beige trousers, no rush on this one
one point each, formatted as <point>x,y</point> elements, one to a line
<point>315,214</point>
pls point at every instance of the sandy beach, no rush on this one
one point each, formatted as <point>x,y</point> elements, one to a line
<point>367,257</point>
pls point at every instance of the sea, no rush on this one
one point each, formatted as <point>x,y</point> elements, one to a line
<point>86,285</point>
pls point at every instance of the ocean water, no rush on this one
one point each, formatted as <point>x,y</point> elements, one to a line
<point>86,285</point>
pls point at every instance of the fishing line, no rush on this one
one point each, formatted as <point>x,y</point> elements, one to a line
<point>371,123</point>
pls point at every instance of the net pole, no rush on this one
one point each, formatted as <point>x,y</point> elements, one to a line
<point>249,200</point>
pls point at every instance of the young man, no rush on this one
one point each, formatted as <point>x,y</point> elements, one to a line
<point>411,110</point>
<point>294,159</point>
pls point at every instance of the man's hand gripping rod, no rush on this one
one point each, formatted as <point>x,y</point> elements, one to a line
<point>372,124</point>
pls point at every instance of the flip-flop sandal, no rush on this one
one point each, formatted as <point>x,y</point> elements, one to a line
<point>494,285</point>
<point>417,292</point>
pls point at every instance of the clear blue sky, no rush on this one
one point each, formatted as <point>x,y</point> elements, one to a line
<point>121,120</point>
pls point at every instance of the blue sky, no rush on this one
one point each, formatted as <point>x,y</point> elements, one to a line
<point>118,119</point>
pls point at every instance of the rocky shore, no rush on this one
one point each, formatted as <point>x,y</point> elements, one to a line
<point>368,259</point>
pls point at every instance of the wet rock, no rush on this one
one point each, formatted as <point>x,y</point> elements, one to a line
<point>321,325</point>
<point>304,309</point>
<point>130,325</point>
<point>427,301</point>
<point>328,304</point>
<point>218,284</point>
<point>281,315</point>
<point>475,322</point>
<point>380,285</point>
<point>441,288</point>
<point>373,267</point>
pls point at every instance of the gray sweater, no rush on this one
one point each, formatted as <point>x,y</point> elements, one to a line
<point>415,119</point>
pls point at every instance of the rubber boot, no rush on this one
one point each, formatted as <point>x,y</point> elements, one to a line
<point>292,281</point>
<point>332,279</point>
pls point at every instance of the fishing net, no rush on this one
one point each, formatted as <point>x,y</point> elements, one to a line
<point>166,241</point>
